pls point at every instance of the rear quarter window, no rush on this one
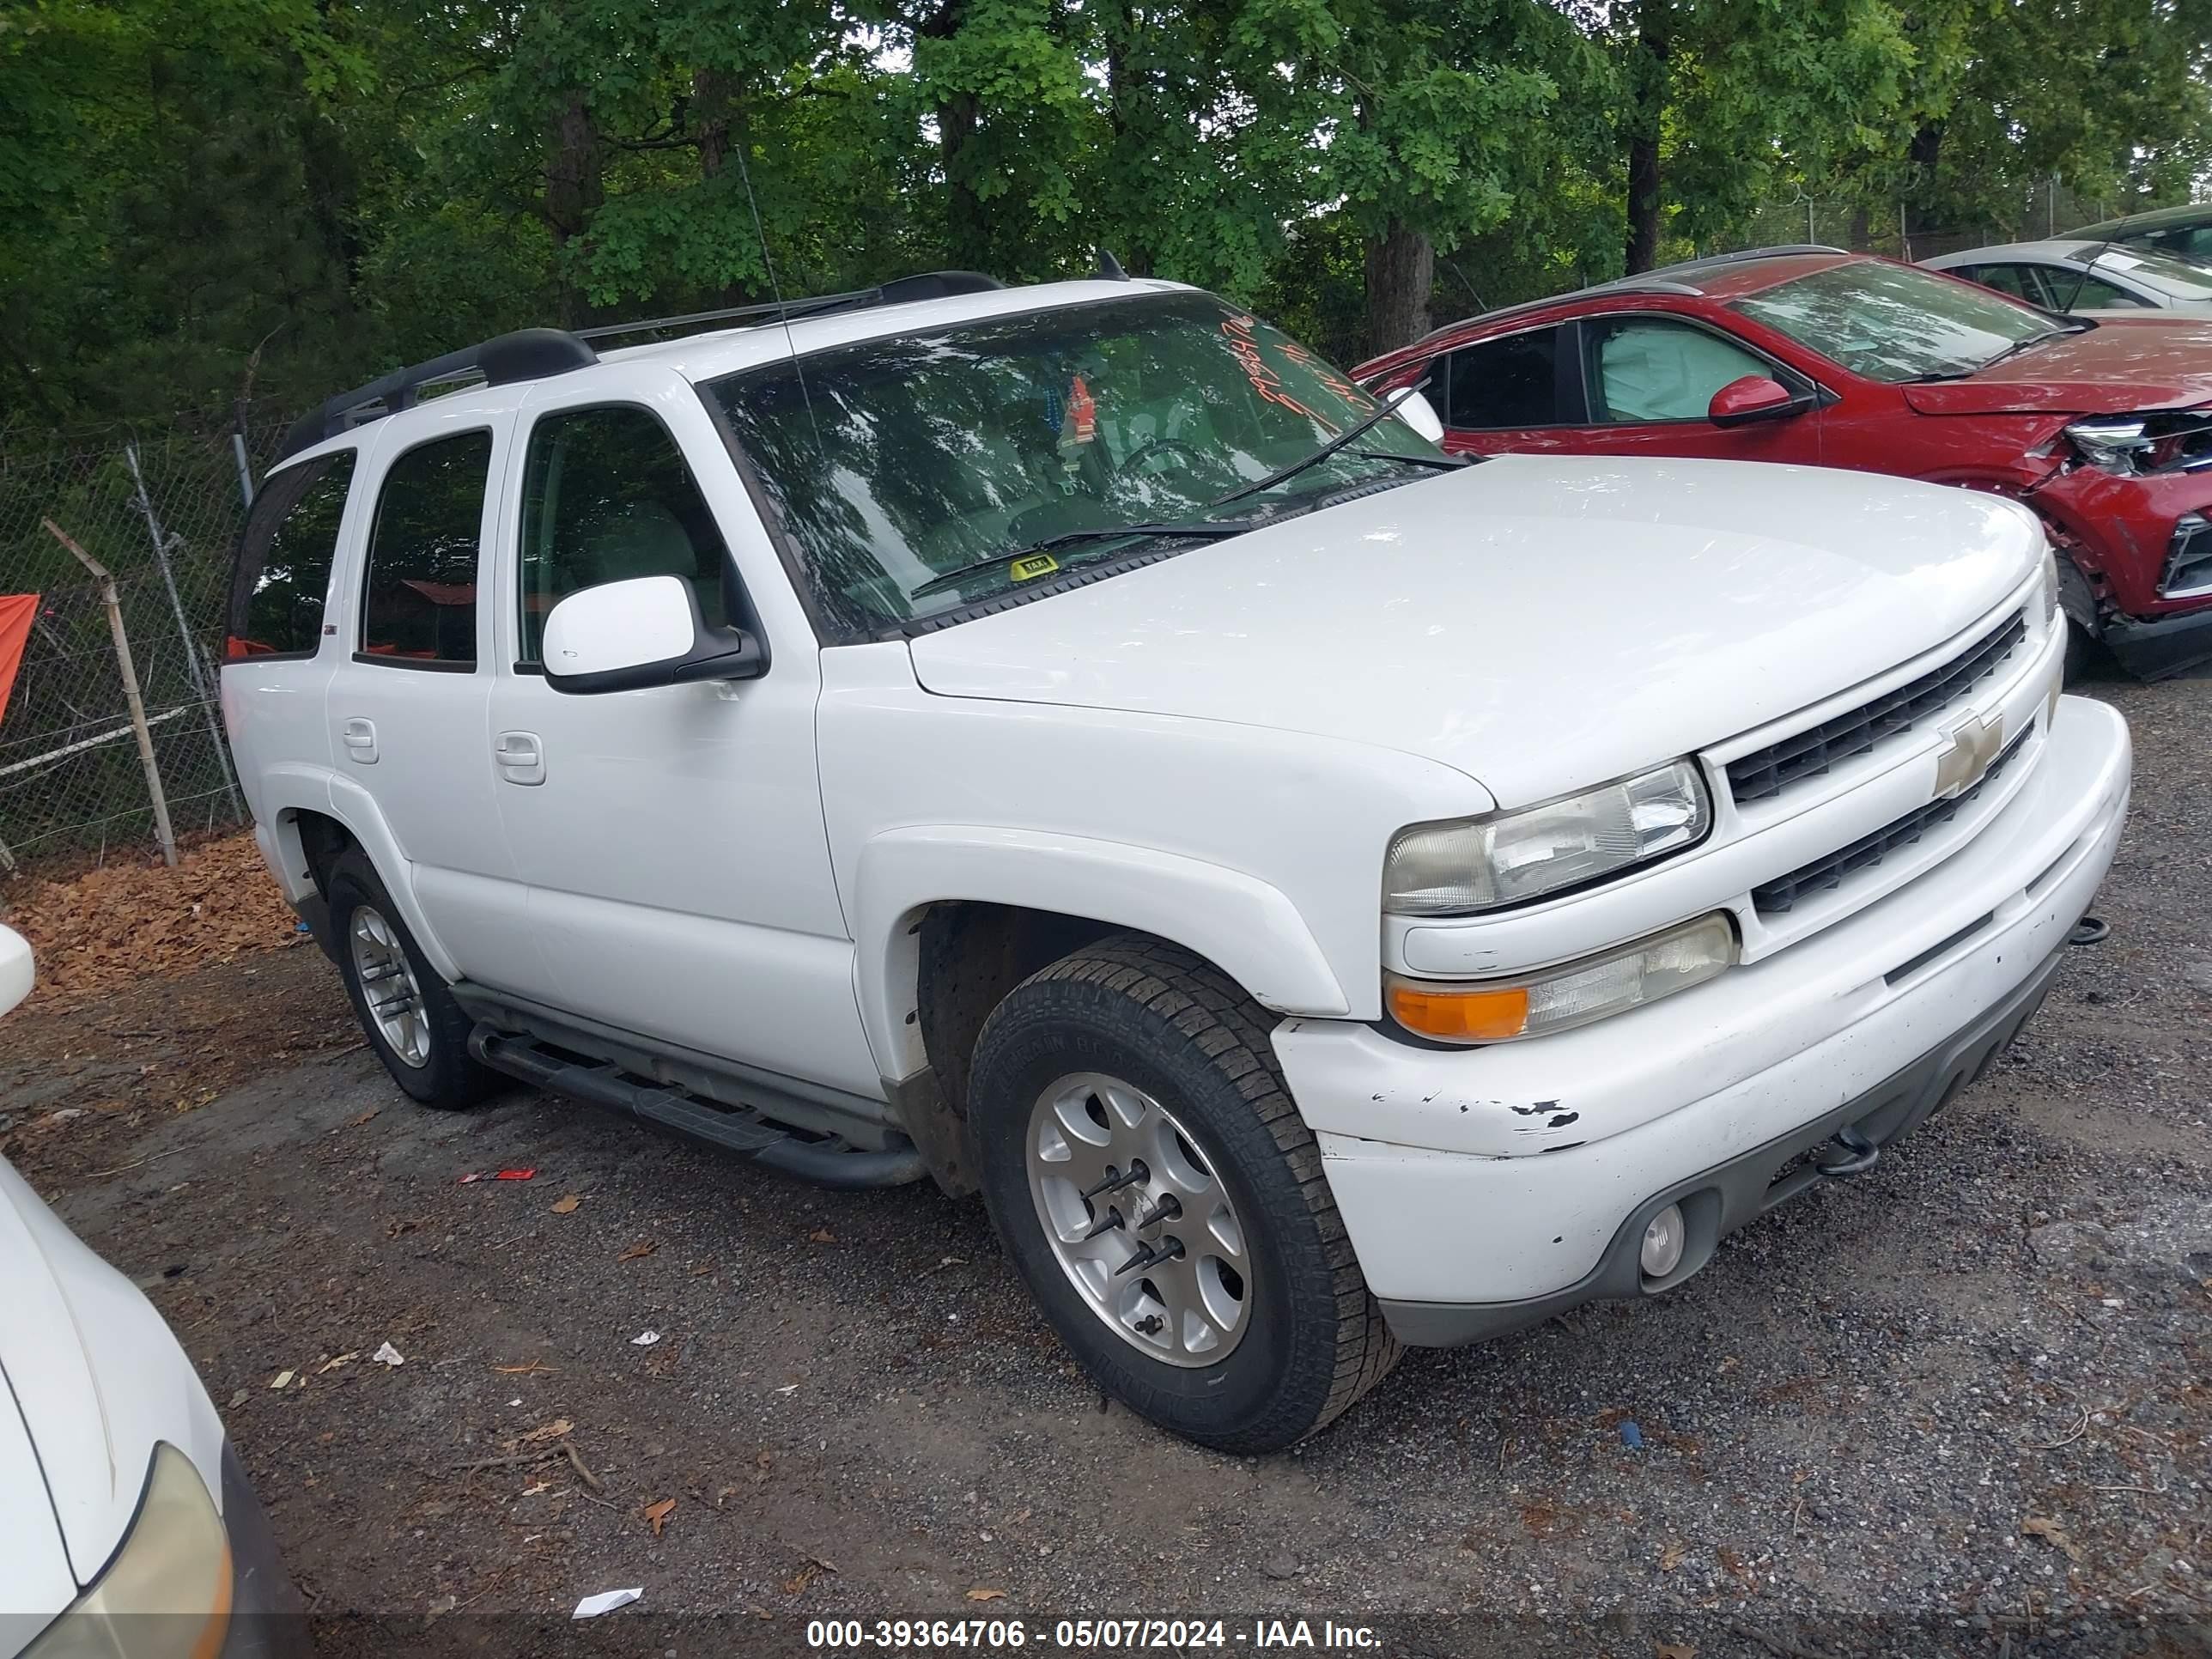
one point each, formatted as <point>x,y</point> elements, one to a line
<point>283,575</point>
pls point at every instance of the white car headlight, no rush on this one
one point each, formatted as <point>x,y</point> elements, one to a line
<point>166,1594</point>
<point>1509,858</point>
<point>1557,998</point>
<point>2050,586</point>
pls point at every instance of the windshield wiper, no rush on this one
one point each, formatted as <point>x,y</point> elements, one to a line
<point>2012,350</point>
<point>1440,463</point>
<point>1343,440</point>
<point>1209,530</point>
<point>2033,340</point>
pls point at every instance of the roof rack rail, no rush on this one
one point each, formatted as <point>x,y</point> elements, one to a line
<point>539,354</point>
<point>1707,261</point>
<point>528,353</point>
<point>1658,280</point>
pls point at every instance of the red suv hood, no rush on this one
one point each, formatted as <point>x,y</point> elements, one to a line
<point>2119,367</point>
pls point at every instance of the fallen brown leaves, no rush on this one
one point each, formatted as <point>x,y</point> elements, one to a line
<point>98,932</point>
<point>809,1570</point>
<point>657,1514</point>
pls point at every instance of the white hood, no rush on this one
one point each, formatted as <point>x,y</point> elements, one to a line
<point>98,1379</point>
<point>35,1582</point>
<point>1541,623</point>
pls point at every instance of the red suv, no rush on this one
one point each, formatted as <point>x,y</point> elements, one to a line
<point>1826,358</point>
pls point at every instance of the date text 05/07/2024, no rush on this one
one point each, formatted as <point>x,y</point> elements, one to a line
<point>989,1636</point>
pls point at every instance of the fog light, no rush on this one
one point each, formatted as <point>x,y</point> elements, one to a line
<point>2189,561</point>
<point>1663,1244</point>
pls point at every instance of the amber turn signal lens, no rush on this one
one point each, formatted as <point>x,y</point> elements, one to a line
<point>1458,1015</point>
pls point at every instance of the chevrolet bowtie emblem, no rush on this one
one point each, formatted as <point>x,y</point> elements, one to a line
<point>1973,747</point>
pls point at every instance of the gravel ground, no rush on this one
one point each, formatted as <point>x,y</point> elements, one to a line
<point>1960,1404</point>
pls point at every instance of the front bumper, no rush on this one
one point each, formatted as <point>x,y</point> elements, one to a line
<point>267,1619</point>
<point>1512,1173</point>
<point>2154,647</point>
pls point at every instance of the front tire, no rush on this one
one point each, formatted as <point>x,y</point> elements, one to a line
<point>1151,1179</point>
<point>405,1010</point>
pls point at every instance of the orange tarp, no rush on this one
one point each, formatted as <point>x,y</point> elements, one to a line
<point>16,612</point>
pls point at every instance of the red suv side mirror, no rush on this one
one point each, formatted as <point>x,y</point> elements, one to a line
<point>1754,397</point>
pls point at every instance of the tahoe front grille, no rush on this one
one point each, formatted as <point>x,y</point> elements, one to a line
<point>1767,772</point>
<point>1779,896</point>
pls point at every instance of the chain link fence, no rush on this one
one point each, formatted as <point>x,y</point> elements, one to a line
<point>161,511</point>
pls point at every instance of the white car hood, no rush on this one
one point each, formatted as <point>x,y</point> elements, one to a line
<point>35,1582</point>
<point>1541,623</point>
<point>99,1380</point>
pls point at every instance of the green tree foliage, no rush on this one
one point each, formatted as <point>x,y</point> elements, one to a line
<point>203,201</point>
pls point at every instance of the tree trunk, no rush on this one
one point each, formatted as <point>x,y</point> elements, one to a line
<point>1924,152</point>
<point>966,223</point>
<point>721,120</point>
<point>958,115</point>
<point>574,187</point>
<point>1401,270</point>
<point>710,97</point>
<point>1645,119</point>
<point>1124,118</point>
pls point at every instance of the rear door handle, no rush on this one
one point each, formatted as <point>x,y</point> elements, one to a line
<point>519,756</point>
<point>359,737</point>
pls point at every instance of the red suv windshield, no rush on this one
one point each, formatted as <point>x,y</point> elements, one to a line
<point>1893,323</point>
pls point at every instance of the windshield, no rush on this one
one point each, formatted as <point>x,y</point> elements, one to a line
<point>897,461</point>
<point>2176,277</point>
<point>1893,323</point>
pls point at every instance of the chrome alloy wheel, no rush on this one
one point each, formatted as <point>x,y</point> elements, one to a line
<point>1138,1219</point>
<point>394,1000</point>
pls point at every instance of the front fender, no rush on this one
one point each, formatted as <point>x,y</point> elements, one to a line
<point>1246,927</point>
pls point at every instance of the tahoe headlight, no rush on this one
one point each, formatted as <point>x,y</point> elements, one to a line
<point>1509,858</point>
<point>165,1592</point>
<point>2050,586</point>
<point>1558,999</point>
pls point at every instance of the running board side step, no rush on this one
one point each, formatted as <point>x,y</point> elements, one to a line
<point>736,1129</point>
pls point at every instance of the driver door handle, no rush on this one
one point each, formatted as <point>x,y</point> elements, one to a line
<point>519,756</point>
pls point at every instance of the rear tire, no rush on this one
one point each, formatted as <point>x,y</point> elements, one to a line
<point>405,1010</point>
<point>1257,1328</point>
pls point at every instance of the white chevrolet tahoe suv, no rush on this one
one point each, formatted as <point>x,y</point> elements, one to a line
<point>1071,744</point>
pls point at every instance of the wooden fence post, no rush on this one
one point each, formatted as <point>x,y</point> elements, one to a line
<point>108,597</point>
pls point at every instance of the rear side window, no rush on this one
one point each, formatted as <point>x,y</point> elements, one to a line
<point>283,572</point>
<point>2192,242</point>
<point>419,598</point>
<point>606,497</point>
<point>2095,294</point>
<point>1505,383</point>
<point>2020,282</point>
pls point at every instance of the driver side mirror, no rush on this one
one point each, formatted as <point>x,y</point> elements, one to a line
<point>1414,409</point>
<point>1755,397</point>
<point>647,631</point>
